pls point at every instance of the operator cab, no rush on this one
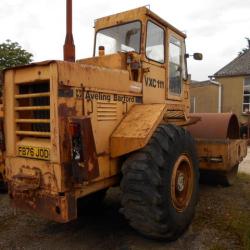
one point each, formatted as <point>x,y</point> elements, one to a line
<point>152,50</point>
<point>127,38</point>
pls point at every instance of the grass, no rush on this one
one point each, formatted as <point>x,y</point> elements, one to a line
<point>244,177</point>
<point>240,222</point>
<point>226,211</point>
<point>239,219</point>
<point>217,247</point>
<point>240,225</point>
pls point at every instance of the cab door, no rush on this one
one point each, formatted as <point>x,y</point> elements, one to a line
<point>154,64</point>
<point>176,73</point>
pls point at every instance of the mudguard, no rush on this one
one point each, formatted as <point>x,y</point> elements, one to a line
<point>136,128</point>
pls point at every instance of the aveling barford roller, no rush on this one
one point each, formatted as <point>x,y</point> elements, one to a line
<point>74,129</point>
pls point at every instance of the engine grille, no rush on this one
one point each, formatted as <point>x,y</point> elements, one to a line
<point>106,111</point>
<point>33,109</point>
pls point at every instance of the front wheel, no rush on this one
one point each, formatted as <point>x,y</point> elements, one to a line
<point>160,184</point>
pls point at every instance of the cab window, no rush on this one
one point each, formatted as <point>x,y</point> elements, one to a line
<point>175,65</point>
<point>155,42</point>
<point>123,37</point>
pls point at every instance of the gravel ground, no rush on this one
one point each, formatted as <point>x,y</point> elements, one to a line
<point>222,221</point>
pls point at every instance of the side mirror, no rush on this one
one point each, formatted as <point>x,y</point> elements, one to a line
<point>198,56</point>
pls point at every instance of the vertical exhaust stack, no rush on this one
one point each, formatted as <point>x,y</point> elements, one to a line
<point>69,46</point>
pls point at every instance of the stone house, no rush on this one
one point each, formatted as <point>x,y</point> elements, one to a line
<point>229,87</point>
<point>235,82</point>
<point>205,97</point>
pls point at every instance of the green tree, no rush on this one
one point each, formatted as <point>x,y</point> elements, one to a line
<point>12,54</point>
<point>244,50</point>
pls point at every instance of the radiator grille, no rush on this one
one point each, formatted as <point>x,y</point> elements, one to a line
<point>106,111</point>
<point>175,114</point>
<point>33,109</point>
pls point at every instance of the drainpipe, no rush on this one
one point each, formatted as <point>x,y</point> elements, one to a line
<point>194,104</point>
<point>219,98</point>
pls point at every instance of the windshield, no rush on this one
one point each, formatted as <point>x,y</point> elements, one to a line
<point>124,37</point>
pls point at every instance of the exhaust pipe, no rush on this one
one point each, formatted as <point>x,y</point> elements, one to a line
<point>69,46</point>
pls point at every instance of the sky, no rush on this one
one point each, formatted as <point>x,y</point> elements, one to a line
<point>216,28</point>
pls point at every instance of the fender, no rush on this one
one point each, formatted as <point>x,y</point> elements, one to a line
<point>136,128</point>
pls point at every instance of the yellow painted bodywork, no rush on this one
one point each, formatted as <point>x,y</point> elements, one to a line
<point>2,152</point>
<point>220,155</point>
<point>114,61</point>
<point>59,75</point>
<point>2,166</point>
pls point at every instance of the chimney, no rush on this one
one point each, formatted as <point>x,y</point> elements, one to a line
<point>69,46</point>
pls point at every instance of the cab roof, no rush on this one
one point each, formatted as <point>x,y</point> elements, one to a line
<point>141,13</point>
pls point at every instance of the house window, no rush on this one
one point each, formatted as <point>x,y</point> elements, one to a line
<point>246,95</point>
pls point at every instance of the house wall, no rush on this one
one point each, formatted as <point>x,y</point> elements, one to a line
<point>206,98</point>
<point>232,95</point>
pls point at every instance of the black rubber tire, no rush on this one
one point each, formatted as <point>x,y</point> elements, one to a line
<point>146,189</point>
<point>225,179</point>
<point>3,185</point>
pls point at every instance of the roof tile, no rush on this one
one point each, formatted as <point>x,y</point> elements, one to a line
<point>239,66</point>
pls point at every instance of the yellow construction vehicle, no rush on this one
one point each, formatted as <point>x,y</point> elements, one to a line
<point>74,129</point>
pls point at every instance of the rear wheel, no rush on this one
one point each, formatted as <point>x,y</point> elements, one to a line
<point>160,184</point>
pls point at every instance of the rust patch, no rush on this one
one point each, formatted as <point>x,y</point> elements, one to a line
<point>89,150</point>
<point>65,92</point>
<point>65,111</point>
<point>65,139</point>
<point>87,168</point>
<point>24,182</point>
<point>2,141</point>
<point>60,208</point>
<point>67,180</point>
<point>27,179</point>
<point>215,126</point>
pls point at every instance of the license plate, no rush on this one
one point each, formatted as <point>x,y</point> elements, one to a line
<point>34,152</point>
